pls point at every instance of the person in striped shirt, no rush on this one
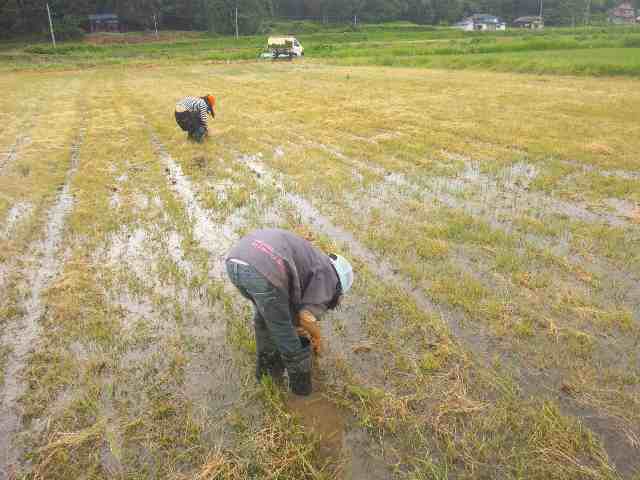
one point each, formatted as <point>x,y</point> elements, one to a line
<point>191,115</point>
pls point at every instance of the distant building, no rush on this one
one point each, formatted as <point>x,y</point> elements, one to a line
<point>624,13</point>
<point>481,22</point>
<point>104,22</point>
<point>533,22</point>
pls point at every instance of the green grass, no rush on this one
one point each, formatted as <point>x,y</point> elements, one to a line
<point>592,62</point>
<point>590,51</point>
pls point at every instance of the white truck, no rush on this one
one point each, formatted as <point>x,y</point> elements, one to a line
<point>283,47</point>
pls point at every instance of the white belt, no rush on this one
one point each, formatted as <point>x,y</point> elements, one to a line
<point>239,262</point>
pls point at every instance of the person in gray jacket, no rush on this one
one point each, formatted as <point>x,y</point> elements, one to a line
<point>291,284</point>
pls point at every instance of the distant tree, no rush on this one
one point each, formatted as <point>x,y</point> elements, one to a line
<point>251,13</point>
<point>29,16</point>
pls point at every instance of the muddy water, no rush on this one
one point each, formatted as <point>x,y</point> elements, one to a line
<point>174,242</point>
<point>16,214</point>
<point>12,154</point>
<point>318,414</point>
<point>213,378</point>
<point>214,237</point>
<point>111,449</point>
<point>22,336</point>
<point>506,193</point>
<point>209,387</point>
<point>473,338</point>
<point>363,463</point>
<point>128,248</point>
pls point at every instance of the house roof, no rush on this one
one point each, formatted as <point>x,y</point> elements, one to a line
<point>528,19</point>
<point>103,16</point>
<point>623,9</point>
<point>480,18</point>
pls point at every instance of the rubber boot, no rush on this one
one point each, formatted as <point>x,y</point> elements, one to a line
<point>270,363</point>
<point>299,369</point>
<point>199,134</point>
<point>300,383</point>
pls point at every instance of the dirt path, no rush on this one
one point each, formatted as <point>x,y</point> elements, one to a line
<point>22,336</point>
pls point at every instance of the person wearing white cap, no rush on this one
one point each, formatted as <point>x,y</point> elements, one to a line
<point>291,284</point>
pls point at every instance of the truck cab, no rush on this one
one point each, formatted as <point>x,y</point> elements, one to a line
<point>285,47</point>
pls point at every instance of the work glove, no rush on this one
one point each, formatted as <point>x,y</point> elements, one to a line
<point>310,328</point>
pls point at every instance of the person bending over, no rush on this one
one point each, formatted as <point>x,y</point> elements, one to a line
<point>192,115</point>
<point>291,284</point>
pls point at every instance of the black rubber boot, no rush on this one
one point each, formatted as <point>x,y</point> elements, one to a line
<point>270,363</point>
<point>200,134</point>
<point>299,369</point>
<point>300,383</point>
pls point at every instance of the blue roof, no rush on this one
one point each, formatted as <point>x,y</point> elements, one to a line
<point>104,16</point>
<point>480,18</point>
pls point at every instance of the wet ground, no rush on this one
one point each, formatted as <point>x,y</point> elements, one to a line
<point>130,353</point>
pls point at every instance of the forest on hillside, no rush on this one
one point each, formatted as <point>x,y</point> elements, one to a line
<point>218,16</point>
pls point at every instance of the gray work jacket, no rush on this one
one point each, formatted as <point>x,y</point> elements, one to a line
<point>291,264</point>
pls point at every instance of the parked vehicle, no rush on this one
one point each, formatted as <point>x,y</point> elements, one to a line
<point>287,47</point>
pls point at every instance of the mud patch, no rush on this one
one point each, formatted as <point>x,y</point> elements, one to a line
<point>128,248</point>
<point>115,201</point>
<point>476,342</point>
<point>212,380</point>
<point>624,174</point>
<point>216,238</point>
<point>324,418</point>
<point>111,449</point>
<point>621,440</point>
<point>16,214</point>
<point>141,201</point>
<point>12,154</point>
<point>174,242</point>
<point>472,337</point>
<point>624,209</point>
<point>362,463</point>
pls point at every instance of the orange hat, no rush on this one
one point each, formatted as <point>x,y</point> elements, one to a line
<point>212,101</point>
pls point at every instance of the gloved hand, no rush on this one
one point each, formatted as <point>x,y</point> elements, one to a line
<point>309,328</point>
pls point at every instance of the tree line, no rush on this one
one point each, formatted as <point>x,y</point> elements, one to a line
<point>218,16</point>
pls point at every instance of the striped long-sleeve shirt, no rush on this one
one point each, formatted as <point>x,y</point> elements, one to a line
<point>196,105</point>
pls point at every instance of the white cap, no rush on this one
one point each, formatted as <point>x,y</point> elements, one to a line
<point>344,270</point>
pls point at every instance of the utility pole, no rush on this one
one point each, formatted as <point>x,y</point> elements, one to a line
<point>53,35</point>
<point>155,24</point>
<point>236,22</point>
<point>541,1</point>
<point>587,13</point>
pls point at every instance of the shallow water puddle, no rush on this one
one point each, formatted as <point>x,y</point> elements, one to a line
<point>324,418</point>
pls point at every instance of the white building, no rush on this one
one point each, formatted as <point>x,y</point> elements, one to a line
<point>481,22</point>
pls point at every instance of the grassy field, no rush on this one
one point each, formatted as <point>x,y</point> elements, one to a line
<point>582,51</point>
<point>494,220</point>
